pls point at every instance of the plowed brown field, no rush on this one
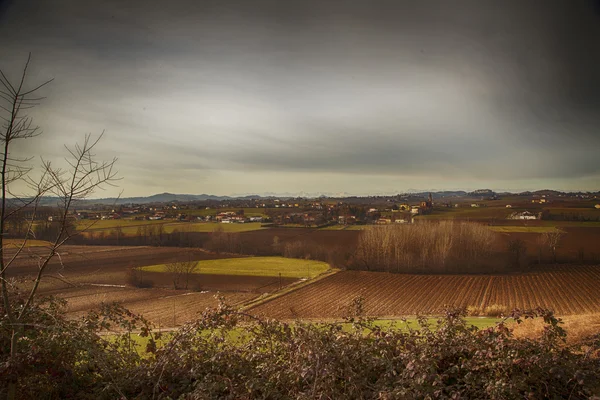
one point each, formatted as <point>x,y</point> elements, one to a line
<point>87,276</point>
<point>163,307</point>
<point>564,289</point>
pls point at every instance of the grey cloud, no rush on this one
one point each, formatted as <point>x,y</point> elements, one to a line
<point>463,90</point>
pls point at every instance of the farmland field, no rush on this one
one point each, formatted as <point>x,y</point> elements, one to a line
<point>86,276</point>
<point>163,307</point>
<point>344,228</point>
<point>499,212</point>
<point>16,243</point>
<point>132,228</point>
<point>525,229</point>
<point>95,262</point>
<point>113,223</point>
<point>565,289</point>
<point>256,266</point>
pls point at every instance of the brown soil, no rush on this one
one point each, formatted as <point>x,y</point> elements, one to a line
<point>88,275</point>
<point>99,261</point>
<point>565,289</point>
<point>237,283</point>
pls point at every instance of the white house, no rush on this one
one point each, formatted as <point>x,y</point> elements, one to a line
<point>526,215</point>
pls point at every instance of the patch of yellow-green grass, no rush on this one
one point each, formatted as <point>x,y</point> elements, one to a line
<point>344,228</point>
<point>138,343</point>
<point>333,228</point>
<point>572,224</point>
<point>412,323</point>
<point>240,334</point>
<point>525,229</point>
<point>16,243</point>
<point>100,224</point>
<point>355,227</point>
<point>587,212</point>
<point>256,266</point>
<point>169,227</point>
<point>212,226</point>
<point>468,212</point>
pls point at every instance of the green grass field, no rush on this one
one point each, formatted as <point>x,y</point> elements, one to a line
<point>410,323</point>
<point>211,227</point>
<point>587,212</point>
<point>470,212</point>
<point>16,243</point>
<point>256,266</point>
<point>525,229</point>
<point>344,228</point>
<point>132,228</point>
<point>113,223</point>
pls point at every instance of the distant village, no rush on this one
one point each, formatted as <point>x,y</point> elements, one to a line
<point>302,212</point>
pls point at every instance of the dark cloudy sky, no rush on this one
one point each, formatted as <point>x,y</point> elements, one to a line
<point>231,97</point>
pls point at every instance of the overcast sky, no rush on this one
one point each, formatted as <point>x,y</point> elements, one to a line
<point>238,97</point>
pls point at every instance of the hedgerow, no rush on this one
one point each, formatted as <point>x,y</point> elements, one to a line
<point>226,354</point>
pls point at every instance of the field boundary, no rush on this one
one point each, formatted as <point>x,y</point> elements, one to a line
<point>290,288</point>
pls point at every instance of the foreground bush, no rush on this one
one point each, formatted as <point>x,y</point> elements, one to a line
<point>226,354</point>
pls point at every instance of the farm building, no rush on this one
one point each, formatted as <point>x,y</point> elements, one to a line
<point>526,215</point>
<point>346,219</point>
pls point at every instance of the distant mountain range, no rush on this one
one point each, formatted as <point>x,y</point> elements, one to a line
<point>173,197</point>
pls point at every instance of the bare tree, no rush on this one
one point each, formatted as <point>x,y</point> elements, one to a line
<point>77,181</point>
<point>552,240</point>
<point>518,251</point>
<point>181,272</point>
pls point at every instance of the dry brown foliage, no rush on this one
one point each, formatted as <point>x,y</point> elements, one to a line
<point>445,246</point>
<point>579,327</point>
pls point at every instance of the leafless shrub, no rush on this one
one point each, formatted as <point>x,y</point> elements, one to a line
<point>224,242</point>
<point>517,250</point>
<point>136,277</point>
<point>181,272</point>
<point>552,241</point>
<point>23,189</point>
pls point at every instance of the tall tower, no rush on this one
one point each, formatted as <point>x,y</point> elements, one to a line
<point>430,200</point>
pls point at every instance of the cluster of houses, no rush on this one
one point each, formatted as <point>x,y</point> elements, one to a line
<point>540,201</point>
<point>231,217</point>
<point>404,213</point>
